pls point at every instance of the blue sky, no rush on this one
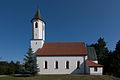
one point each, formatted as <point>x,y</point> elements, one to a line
<point>66,21</point>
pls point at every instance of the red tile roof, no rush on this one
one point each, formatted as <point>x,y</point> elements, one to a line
<point>92,64</point>
<point>62,48</point>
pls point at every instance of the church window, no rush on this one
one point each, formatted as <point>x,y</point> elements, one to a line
<point>36,25</point>
<point>67,64</point>
<point>78,64</point>
<point>56,65</point>
<point>95,68</point>
<point>46,65</point>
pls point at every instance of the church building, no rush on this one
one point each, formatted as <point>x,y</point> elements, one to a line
<point>62,57</point>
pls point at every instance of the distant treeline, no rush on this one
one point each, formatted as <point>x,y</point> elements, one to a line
<point>28,67</point>
<point>10,68</point>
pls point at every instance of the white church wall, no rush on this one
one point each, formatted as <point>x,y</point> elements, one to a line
<point>61,64</point>
<point>86,57</point>
<point>36,44</point>
<point>98,72</point>
<point>43,30</point>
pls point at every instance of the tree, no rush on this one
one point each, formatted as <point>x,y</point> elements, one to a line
<point>30,63</point>
<point>11,69</point>
<point>116,60</point>
<point>4,67</point>
<point>101,49</point>
<point>18,67</point>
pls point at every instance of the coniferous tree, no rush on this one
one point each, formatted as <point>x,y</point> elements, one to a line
<point>101,49</point>
<point>115,64</point>
<point>30,63</point>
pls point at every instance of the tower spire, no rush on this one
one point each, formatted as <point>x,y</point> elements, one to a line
<point>37,15</point>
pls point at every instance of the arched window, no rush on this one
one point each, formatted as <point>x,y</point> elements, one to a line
<point>46,65</point>
<point>36,25</point>
<point>67,64</point>
<point>78,64</point>
<point>56,65</point>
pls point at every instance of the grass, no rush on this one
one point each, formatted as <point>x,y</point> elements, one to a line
<point>61,77</point>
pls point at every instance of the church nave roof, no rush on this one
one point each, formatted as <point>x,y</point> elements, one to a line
<point>62,49</point>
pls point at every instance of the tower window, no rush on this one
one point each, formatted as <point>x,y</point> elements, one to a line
<point>78,64</point>
<point>56,65</point>
<point>67,64</point>
<point>36,25</point>
<point>36,43</point>
<point>46,65</point>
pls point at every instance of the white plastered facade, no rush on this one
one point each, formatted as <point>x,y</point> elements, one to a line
<point>91,70</point>
<point>38,36</point>
<point>61,64</point>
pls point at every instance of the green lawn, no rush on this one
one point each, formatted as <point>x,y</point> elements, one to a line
<point>61,77</point>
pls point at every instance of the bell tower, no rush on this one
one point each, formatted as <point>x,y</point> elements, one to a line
<point>38,32</point>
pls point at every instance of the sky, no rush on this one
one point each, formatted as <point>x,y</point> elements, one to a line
<point>66,21</point>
